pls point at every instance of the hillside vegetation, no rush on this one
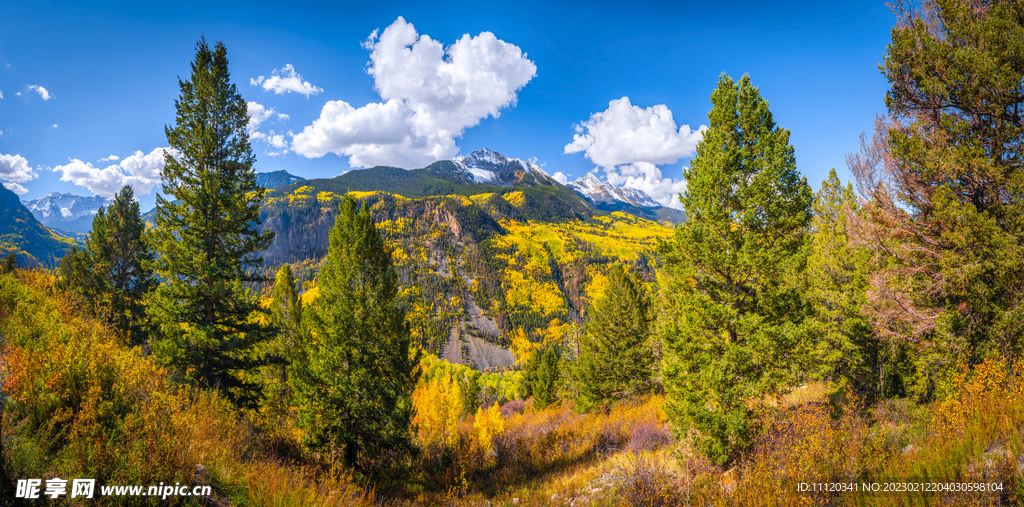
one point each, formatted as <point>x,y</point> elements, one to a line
<point>327,343</point>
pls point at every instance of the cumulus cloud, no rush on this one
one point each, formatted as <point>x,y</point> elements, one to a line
<point>112,158</point>
<point>54,125</point>
<point>283,117</point>
<point>14,169</point>
<point>1,94</point>
<point>140,170</point>
<point>629,142</point>
<point>257,114</point>
<point>41,91</point>
<point>430,93</point>
<point>16,188</point>
<point>284,81</point>
<point>560,177</point>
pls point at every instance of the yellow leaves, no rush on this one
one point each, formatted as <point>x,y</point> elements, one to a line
<point>308,296</point>
<point>488,425</point>
<point>303,190</point>
<point>516,198</point>
<point>438,406</point>
<point>521,346</point>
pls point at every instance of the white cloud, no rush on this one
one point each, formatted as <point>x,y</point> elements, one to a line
<point>54,125</point>
<point>283,117</point>
<point>41,91</point>
<point>17,94</point>
<point>1,94</point>
<point>624,133</point>
<point>286,80</point>
<point>15,168</point>
<point>276,140</point>
<point>257,114</point>
<point>16,188</point>
<point>560,177</point>
<point>629,142</point>
<point>430,93</point>
<point>110,158</point>
<point>140,170</point>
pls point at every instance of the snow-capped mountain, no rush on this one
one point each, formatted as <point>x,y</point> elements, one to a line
<point>492,168</point>
<point>599,192</point>
<point>68,212</point>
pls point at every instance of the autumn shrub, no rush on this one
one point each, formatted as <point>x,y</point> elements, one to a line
<point>641,479</point>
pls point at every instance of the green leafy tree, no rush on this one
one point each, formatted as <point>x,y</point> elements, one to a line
<point>841,348</point>
<point>943,177</point>
<point>114,272</point>
<point>355,380</point>
<point>735,310</point>
<point>207,235</point>
<point>615,359</point>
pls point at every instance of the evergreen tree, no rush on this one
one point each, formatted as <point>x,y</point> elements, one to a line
<point>10,263</point>
<point>207,234</point>
<point>358,370</point>
<point>541,376</point>
<point>114,272</point>
<point>943,177</point>
<point>735,313</point>
<point>615,360</point>
<point>282,352</point>
<point>841,348</point>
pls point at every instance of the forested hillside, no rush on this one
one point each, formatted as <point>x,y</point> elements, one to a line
<point>475,333</point>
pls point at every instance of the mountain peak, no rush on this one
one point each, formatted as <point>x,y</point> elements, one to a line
<point>493,168</point>
<point>597,191</point>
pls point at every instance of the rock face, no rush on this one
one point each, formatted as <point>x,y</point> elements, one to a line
<point>67,212</point>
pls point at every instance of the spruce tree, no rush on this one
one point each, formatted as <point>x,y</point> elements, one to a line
<point>841,348</point>
<point>114,272</point>
<point>207,234</point>
<point>735,310</point>
<point>542,376</point>
<point>10,263</point>
<point>615,359</point>
<point>358,369</point>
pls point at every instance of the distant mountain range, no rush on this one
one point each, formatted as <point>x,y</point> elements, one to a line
<point>67,212</point>
<point>276,179</point>
<point>602,192</point>
<point>23,234</point>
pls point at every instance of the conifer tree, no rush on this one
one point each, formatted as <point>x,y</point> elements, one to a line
<point>615,360</point>
<point>10,263</point>
<point>541,376</point>
<point>282,350</point>
<point>943,178</point>
<point>114,272</point>
<point>736,312</point>
<point>207,234</point>
<point>358,370</point>
<point>841,348</point>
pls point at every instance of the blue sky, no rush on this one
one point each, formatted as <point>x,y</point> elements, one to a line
<point>82,83</point>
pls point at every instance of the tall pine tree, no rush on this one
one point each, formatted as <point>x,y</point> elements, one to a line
<point>355,379</point>
<point>114,272</point>
<point>841,348</point>
<point>207,234</point>
<point>615,358</point>
<point>736,309</point>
